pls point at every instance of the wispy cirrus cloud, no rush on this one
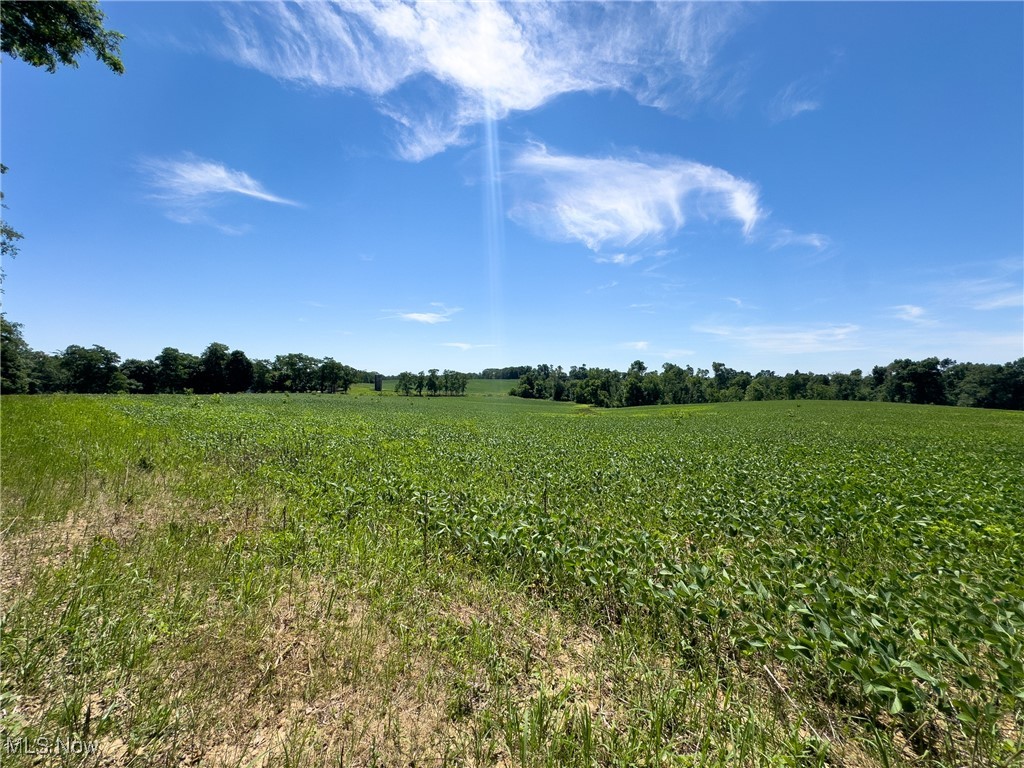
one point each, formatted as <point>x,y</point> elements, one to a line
<point>982,286</point>
<point>787,339</point>
<point>464,346</point>
<point>616,202</point>
<point>796,98</point>
<point>603,287</point>
<point>622,259</point>
<point>442,314</point>
<point>803,94</point>
<point>787,237</point>
<point>189,188</point>
<point>740,304</point>
<point>987,293</point>
<point>487,59</point>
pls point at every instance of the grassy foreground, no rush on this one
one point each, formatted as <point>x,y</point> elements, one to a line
<point>377,580</point>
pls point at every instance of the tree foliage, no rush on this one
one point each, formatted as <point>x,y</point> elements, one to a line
<point>15,362</point>
<point>50,34</point>
<point>450,383</point>
<point>98,370</point>
<point>9,236</point>
<point>923,382</point>
<point>92,371</point>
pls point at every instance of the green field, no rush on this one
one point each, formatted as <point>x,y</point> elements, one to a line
<point>372,579</point>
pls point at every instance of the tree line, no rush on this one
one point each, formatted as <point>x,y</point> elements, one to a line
<point>97,370</point>
<point>451,383</point>
<point>927,382</point>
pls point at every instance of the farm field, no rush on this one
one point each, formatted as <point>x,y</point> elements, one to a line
<point>372,579</point>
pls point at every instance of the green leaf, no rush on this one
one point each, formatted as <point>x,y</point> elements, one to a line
<point>897,706</point>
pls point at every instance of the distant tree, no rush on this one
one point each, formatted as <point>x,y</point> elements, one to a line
<point>910,381</point>
<point>421,382</point>
<point>846,386</point>
<point>47,375</point>
<point>92,371</point>
<point>335,377</point>
<point>764,386</point>
<point>632,391</point>
<point>295,372</point>
<point>677,384</point>
<point>349,376</point>
<point>509,372</point>
<point>559,385</point>
<point>454,382</point>
<point>405,384</point>
<point>794,385</point>
<point>433,383</point>
<point>238,372</point>
<point>529,386</point>
<point>819,387</point>
<point>652,390</point>
<point>142,375</point>
<point>15,359</point>
<point>261,376</point>
<point>48,34</point>
<point>878,374</point>
<point>214,369</point>
<point>737,389</point>
<point>986,386</point>
<point>172,371</point>
<point>331,372</point>
<point>601,387</point>
<point>577,372</point>
<point>730,384</point>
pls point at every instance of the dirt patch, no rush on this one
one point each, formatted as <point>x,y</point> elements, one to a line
<point>52,544</point>
<point>318,675</point>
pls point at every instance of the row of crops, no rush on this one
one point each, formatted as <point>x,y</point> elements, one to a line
<point>871,554</point>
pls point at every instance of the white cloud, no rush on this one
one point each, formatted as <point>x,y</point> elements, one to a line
<point>637,345</point>
<point>189,188</point>
<point>622,259</point>
<point>912,314</point>
<point>442,315</point>
<point>786,237</point>
<point>622,202</point>
<point>490,59</point>
<point>796,98</point>
<point>465,347</point>
<point>740,304</point>
<point>789,339</point>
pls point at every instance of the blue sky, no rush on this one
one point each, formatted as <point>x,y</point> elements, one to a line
<point>785,186</point>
